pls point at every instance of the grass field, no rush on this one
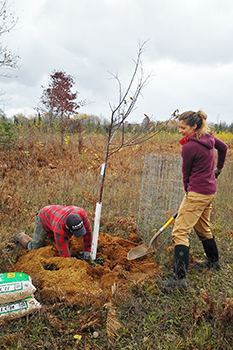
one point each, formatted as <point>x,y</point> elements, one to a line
<point>38,172</point>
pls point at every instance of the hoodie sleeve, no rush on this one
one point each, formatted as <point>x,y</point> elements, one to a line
<point>186,165</point>
<point>221,147</point>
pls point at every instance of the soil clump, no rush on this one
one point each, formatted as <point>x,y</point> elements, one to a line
<point>78,282</point>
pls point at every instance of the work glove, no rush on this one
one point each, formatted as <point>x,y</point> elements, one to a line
<point>86,255</point>
<point>217,172</point>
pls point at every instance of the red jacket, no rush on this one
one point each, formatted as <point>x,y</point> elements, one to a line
<point>53,219</point>
<point>199,163</point>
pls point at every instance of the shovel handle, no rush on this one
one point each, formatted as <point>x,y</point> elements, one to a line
<point>162,228</point>
<point>170,221</point>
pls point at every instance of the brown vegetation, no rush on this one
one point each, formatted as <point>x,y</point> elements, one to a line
<point>38,172</point>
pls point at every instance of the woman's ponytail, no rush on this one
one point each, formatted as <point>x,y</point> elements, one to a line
<point>203,129</point>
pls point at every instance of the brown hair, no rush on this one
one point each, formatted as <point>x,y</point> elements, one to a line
<point>191,118</point>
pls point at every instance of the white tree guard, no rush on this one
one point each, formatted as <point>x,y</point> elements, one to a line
<point>96,230</point>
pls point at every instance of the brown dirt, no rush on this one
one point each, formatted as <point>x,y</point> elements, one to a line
<point>79,283</point>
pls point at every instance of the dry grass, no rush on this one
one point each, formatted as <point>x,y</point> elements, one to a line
<point>39,172</point>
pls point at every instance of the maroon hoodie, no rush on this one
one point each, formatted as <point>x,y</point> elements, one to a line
<point>199,163</point>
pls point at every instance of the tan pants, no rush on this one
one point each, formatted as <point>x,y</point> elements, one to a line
<point>194,212</point>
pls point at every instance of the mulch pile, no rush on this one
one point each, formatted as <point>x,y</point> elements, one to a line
<point>81,283</point>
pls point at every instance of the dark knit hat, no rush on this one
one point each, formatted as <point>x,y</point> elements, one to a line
<point>75,225</point>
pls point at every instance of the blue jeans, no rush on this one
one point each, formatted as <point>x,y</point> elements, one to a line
<point>39,235</point>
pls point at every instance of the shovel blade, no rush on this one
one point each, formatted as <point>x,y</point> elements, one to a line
<point>138,252</point>
<point>143,249</point>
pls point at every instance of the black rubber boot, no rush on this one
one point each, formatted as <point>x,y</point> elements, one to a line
<point>211,251</point>
<point>180,265</point>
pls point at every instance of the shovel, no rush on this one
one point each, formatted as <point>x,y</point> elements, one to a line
<point>143,249</point>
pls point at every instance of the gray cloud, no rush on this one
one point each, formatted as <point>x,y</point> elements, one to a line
<point>189,51</point>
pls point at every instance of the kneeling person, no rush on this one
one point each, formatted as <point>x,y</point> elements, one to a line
<point>60,222</point>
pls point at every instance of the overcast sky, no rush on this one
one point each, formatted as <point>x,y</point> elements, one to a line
<point>189,50</point>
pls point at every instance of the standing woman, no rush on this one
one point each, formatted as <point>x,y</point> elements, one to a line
<point>199,179</point>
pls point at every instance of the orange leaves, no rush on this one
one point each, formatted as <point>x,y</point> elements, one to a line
<point>203,306</point>
<point>227,313</point>
<point>88,197</point>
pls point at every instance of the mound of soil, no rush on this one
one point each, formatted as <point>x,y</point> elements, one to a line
<point>81,283</point>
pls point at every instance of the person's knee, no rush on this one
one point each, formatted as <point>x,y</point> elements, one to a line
<point>202,236</point>
<point>180,240</point>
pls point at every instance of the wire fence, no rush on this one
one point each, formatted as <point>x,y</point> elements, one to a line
<point>223,204</point>
<point>161,192</point>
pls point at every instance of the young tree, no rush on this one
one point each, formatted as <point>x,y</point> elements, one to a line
<point>126,104</point>
<point>58,102</point>
<point>8,60</point>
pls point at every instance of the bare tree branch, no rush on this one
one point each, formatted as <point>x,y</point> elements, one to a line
<point>8,21</point>
<point>126,105</point>
<point>119,114</point>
